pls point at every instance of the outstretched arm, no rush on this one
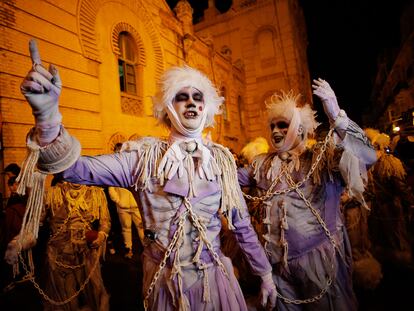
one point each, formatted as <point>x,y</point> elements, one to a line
<point>352,137</point>
<point>358,152</point>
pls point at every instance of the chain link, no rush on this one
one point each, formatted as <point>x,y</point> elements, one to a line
<point>198,225</point>
<point>63,265</point>
<point>314,212</point>
<point>292,186</point>
<point>31,278</point>
<point>166,256</point>
<point>269,193</point>
<point>308,300</point>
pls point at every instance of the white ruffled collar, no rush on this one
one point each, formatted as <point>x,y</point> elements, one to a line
<point>179,157</point>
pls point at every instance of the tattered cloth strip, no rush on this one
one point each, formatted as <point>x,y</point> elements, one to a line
<point>221,163</point>
<point>35,181</point>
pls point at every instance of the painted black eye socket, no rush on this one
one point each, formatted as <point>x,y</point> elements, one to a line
<point>181,97</point>
<point>198,96</point>
<point>282,125</point>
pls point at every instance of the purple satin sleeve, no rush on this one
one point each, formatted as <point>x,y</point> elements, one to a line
<point>104,170</point>
<point>245,176</point>
<point>249,243</point>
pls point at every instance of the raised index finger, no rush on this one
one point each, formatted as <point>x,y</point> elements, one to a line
<point>34,52</point>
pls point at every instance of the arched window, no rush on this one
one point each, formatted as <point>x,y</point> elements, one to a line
<point>127,62</point>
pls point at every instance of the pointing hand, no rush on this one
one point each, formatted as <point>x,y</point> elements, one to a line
<point>42,89</point>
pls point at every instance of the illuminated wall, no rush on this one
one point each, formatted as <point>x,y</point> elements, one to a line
<point>268,39</point>
<point>82,39</point>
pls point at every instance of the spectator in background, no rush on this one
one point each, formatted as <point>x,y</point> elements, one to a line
<point>14,211</point>
<point>392,205</point>
<point>12,170</point>
<point>128,213</point>
<point>79,223</point>
<point>10,227</point>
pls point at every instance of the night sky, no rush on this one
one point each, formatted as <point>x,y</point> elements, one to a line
<point>345,39</point>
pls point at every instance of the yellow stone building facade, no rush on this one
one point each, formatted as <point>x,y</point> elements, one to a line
<point>110,54</point>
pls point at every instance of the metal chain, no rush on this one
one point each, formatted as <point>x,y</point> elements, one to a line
<point>269,193</point>
<point>295,186</point>
<point>197,224</point>
<point>69,216</point>
<point>200,227</point>
<point>60,229</point>
<point>308,300</point>
<point>166,256</point>
<point>328,234</point>
<point>31,278</point>
<point>314,212</point>
<point>63,265</point>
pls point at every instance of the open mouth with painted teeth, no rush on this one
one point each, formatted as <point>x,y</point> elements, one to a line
<point>277,138</point>
<point>190,114</point>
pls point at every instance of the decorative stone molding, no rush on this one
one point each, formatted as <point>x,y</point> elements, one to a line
<point>114,139</point>
<point>132,105</point>
<point>226,52</point>
<point>120,27</point>
<point>135,136</point>
<point>184,13</point>
<point>87,11</point>
<point>264,28</point>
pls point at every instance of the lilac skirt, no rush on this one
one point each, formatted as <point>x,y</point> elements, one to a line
<point>224,293</point>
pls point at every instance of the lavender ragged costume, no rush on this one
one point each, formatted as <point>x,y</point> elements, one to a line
<point>185,187</point>
<point>299,187</point>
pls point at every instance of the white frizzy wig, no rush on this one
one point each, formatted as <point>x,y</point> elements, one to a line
<point>176,78</point>
<point>282,105</point>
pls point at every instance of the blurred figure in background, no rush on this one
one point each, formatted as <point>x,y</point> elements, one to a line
<point>79,222</point>
<point>367,272</point>
<point>257,146</point>
<point>128,213</point>
<point>392,204</point>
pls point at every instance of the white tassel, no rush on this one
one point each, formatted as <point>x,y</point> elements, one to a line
<point>206,289</point>
<point>283,226</point>
<point>227,181</point>
<point>190,173</point>
<point>25,178</point>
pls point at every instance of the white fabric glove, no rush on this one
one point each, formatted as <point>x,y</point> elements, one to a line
<point>42,88</point>
<point>12,252</point>
<point>171,163</point>
<point>323,90</point>
<point>268,292</point>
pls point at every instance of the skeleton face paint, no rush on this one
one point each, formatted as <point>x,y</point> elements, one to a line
<point>189,106</point>
<point>279,128</point>
<point>279,131</point>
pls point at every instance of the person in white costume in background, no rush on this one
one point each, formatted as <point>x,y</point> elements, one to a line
<point>298,190</point>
